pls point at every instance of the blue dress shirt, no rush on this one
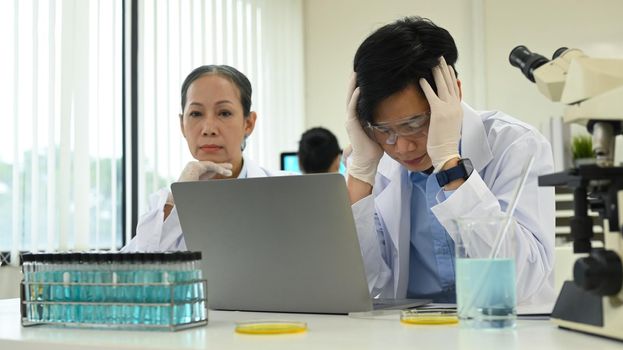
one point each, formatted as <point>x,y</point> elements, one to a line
<point>431,252</point>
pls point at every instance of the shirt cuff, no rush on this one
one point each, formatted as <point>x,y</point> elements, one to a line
<point>447,194</point>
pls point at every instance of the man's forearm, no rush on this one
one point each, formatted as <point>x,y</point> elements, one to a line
<point>357,189</point>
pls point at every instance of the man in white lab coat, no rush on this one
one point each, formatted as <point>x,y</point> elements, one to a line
<point>422,158</point>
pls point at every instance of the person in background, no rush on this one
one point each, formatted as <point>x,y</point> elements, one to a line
<point>422,158</point>
<point>216,120</point>
<point>319,152</point>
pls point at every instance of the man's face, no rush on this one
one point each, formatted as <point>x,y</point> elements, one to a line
<point>409,150</point>
<point>213,121</point>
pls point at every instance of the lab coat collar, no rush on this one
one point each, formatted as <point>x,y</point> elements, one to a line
<point>389,168</point>
<point>252,168</point>
<point>476,147</point>
<point>243,172</point>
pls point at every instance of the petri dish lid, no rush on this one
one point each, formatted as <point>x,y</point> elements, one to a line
<point>430,316</point>
<point>266,327</point>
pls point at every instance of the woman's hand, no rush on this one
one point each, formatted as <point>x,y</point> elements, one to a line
<point>201,170</point>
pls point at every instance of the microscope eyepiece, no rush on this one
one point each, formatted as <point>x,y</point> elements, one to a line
<point>559,52</point>
<point>526,61</point>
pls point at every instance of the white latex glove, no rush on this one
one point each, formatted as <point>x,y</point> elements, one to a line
<point>446,118</point>
<point>201,170</point>
<point>366,153</point>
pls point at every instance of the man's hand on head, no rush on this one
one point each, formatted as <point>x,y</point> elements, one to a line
<point>446,119</point>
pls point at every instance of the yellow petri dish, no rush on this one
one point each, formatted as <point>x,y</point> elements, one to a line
<point>429,316</point>
<point>270,327</point>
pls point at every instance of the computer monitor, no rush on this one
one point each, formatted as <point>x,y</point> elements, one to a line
<point>290,162</point>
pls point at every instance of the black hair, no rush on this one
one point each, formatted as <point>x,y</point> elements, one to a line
<point>318,149</point>
<point>240,80</point>
<point>396,56</point>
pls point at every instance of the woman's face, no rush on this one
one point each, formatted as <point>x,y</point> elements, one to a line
<point>213,122</point>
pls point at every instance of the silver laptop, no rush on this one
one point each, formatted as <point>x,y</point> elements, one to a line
<point>283,244</point>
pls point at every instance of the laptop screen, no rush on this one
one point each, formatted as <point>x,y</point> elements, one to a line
<point>290,162</point>
<point>296,250</point>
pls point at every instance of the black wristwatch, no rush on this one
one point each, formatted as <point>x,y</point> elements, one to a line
<point>461,171</point>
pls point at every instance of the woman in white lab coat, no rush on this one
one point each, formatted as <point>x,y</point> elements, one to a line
<point>216,119</point>
<point>407,124</point>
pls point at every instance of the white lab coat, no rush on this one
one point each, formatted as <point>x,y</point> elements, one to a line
<point>498,146</point>
<point>155,234</point>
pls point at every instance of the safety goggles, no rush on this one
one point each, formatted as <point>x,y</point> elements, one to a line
<point>388,132</point>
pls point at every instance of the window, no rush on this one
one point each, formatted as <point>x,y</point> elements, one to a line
<point>262,39</point>
<point>60,144</point>
<point>63,169</point>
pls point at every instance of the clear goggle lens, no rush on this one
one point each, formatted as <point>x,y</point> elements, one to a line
<point>387,133</point>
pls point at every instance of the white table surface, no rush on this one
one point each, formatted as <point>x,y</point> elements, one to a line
<point>324,332</point>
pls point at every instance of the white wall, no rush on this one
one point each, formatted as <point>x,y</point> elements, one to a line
<point>485,32</point>
<point>593,26</point>
<point>335,28</point>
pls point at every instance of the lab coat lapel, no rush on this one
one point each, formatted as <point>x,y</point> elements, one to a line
<point>474,141</point>
<point>172,240</point>
<point>393,204</point>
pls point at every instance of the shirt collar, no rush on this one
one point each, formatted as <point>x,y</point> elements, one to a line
<point>243,171</point>
<point>417,176</point>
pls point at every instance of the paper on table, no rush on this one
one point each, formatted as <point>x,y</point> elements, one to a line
<point>534,310</point>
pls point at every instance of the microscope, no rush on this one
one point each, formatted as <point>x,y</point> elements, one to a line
<point>592,89</point>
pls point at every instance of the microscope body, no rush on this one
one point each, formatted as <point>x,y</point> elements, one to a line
<point>592,89</point>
